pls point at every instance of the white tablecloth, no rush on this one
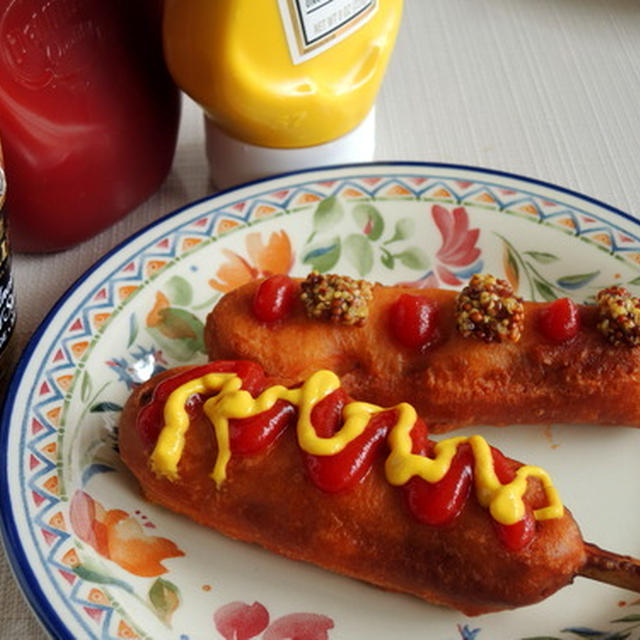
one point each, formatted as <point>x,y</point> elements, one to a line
<point>549,89</point>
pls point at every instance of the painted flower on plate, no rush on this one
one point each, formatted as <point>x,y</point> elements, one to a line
<point>458,254</point>
<point>458,257</point>
<point>276,256</point>
<point>119,537</point>
<point>144,364</point>
<point>467,633</point>
<point>241,621</point>
<point>178,331</point>
<point>310,626</point>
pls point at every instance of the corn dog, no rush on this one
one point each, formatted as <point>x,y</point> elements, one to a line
<point>482,356</point>
<point>355,488</point>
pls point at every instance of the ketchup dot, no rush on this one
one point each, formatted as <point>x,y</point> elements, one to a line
<point>560,321</point>
<point>413,320</point>
<point>517,536</point>
<point>274,298</point>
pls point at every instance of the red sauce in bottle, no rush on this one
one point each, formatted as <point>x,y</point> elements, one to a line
<point>88,112</point>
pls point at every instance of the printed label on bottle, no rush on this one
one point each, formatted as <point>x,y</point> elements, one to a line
<point>7,300</point>
<point>313,26</point>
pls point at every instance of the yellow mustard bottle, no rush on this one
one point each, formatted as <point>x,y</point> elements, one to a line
<point>284,84</point>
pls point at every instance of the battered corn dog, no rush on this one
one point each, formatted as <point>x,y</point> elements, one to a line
<point>482,356</point>
<point>355,488</point>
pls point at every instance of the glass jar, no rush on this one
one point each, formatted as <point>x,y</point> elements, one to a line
<point>88,115</point>
<point>7,300</point>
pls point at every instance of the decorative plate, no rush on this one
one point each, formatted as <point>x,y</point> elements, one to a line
<point>97,561</point>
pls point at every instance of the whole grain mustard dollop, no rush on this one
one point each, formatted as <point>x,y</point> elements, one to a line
<point>489,310</point>
<point>619,316</point>
<point>335,298</point>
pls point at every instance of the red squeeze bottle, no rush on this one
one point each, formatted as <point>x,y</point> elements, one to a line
<point>88,115</point>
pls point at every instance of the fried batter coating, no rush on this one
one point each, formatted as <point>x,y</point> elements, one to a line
<point>454,380</point>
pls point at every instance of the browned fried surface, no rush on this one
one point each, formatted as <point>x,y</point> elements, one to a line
<point>366,533</point>
<point>456,380</point>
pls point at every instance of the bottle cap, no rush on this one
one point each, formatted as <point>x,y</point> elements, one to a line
<point>233,162</point>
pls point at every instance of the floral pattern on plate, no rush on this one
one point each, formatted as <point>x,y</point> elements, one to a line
<point>99,562</point>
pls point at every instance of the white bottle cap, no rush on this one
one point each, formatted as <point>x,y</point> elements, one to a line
<point>233,162</point>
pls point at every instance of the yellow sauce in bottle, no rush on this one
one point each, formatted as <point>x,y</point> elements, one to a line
<point>237,59</point>
<point>229,401</point>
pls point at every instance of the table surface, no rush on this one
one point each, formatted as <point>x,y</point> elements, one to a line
<point>548,89</point>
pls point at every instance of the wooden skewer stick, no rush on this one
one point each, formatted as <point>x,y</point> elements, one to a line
<point>612,568</point>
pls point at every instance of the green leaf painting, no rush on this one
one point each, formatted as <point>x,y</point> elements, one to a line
<point>511,268</point>
<point>414,258</point>
<point>179,291</point>
<point>405,228</point>
<point>542,286</point>
<point>165,598</point>
<point>133,329</point>
<point>180,324</point>
<point>86,387</point>
<point>387,259</point>
<point>632,617</point>
<point>369,220</point>
<point>104,407</point>
<point>328,214</point>
<point>323,256</point>
<point>542,256</point>
<point>359,253</point>
<point>87,571</point>
<point>363,248</point>
<point>544,290</point>
<point>179,332</point>
<point>577,281</point>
